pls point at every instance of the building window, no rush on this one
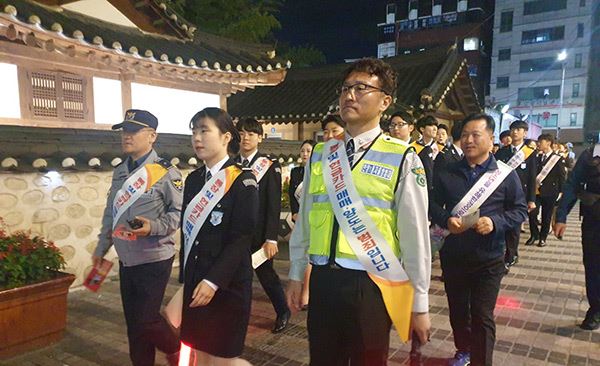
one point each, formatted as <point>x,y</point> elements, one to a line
<point>545,119</point>
<point>57,95</point>
<point>449,6</point>
<point>578,59</point>
<point>538,64</point>
<point>506,21</point>
<point>543,35</point>
<point>575,93</point>
<point>573,119</point>
<point>579,30</point>
<point>471,44</point>
<point>504,54</point>
<point>542,6</point>
<point>502,82</point>
<point>582,3</point>
<point>425,8</point>
<point>539,93</point>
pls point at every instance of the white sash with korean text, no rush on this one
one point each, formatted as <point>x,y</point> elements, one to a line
<point>298,192</point>
<point>260,167</point>
<point>547,168</point>
<point>134,187</point>
<point>368,244</point>
<point>200,207</point>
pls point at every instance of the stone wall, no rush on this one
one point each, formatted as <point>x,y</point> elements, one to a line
<point>66,207</point>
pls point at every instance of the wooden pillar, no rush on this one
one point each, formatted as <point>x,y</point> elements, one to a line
<point>223,101</point>
<point>126,92</point>
<point>300,131</point>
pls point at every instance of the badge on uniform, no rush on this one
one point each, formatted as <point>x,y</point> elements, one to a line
<point>524,166</point>
<point>216,217</point>
<point>177,184</point>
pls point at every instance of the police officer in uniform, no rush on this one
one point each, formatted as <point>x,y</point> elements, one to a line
<point>143,238</point>
<point>584,182</point>
<point>527,173</point>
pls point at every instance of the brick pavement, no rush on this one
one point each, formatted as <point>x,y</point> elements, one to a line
<point>541,302</point>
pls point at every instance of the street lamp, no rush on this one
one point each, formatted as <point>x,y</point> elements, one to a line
<point>562,57</point>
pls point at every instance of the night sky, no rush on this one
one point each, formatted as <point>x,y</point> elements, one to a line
<point>341,29</point>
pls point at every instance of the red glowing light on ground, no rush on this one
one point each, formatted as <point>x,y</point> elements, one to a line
<point>508,302</point>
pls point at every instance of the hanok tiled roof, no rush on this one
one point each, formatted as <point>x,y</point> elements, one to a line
<point>25,149</point>
<point>424,81</point>
<point>57,29</point>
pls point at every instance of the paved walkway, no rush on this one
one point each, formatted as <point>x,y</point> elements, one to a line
<point>541,302</point>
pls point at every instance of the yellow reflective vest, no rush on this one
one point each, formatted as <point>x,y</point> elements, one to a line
<point>375,176</point>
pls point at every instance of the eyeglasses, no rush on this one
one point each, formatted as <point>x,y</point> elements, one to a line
<point>398,125</point>
<point>359,89</point>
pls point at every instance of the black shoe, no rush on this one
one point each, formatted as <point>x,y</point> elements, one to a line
<point>281,322</point>
<point>591,321</point>
<point>530,241</point>
<point>506,269</point>
<point>511,262</point>
<point>542,243</point>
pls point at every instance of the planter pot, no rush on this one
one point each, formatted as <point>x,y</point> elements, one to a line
<point>33,316</point>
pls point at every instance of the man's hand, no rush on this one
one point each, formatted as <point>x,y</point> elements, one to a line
<point>421,325</point>
<point>202,295</point>
<point>293,295</point>
<point>270,249</point>
<point>484,225</point>
<point>145,229</point>
<point>96,260</point>
<point>559,229</point>
<point>455,225</point>
<point>530,206</point>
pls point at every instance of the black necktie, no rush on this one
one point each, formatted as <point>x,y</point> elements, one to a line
<point>350,151</point>
<point>543,159</point>
<point>245,163</point>
<point>208,175</point>
<point>513,149</point>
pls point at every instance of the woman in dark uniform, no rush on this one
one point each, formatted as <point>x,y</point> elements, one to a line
<point>217,271</point>
<point>296,177</point>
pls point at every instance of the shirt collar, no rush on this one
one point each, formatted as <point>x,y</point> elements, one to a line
<point>489,164</point>
<point>134,164</point>
<point>249,158</point>
<point>215,169</point>
<point>364,139</point>
<point>458,149</point>
<point>518,147</point>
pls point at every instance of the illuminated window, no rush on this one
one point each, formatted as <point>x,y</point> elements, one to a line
<point>471,44</point>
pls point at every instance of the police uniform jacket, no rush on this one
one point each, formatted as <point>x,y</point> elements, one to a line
<point>296,176</point>
<point>552,185</point>
<point>269,203</point>
<point>506,207</point>
<point>527,171</point>
<point>161,205</point>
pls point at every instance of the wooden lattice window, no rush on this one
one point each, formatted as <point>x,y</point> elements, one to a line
<point>56,95</point>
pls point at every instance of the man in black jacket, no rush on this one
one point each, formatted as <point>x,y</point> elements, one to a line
<point>265,236</point>
<point>472,257</point>
<point>550,179</point>
<point>527,172</point>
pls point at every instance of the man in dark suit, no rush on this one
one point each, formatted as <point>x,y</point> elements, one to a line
<point>527,172</point>
<point>550,187</point>
<point>265,236</point>
<point>426,147</point>
<point>452,153</point>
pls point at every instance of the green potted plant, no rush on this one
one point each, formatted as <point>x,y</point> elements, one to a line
<point>33,292</point>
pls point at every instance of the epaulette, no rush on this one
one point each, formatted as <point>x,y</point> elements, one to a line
<point>165,163</point>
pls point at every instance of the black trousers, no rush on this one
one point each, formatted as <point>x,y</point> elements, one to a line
<point>591,261</point>
<point>547,206</point>
<point>512,243</point>
<point>472,292</point>
<point>271,283</point>
<point>142,292</point>
<point>347,320</point>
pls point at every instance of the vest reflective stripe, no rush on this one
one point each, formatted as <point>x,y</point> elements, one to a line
<point>369,201</point>
<point>375,177</point>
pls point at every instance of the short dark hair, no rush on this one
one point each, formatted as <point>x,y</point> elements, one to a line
<point>442,126</point>
<point>426,121</point>
<point>335,118</point>
<point>519,124</point>
<point>309,141</point>
<point>224,123</point>
<point>375,67</point>
<point>490,125</point>
<point>504,134</point>
<point>546,137</point>
<point>249,125</point>
<point>405,116</point>
<point>456,130</point>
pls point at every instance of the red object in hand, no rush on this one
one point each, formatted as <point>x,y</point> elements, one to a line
<point>98,275</point>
